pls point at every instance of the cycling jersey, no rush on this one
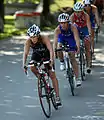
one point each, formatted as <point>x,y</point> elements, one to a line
<point>80,21</point>
<point>67,37</point>
<point>40,51</point>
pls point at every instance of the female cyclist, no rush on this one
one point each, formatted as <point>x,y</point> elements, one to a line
<point>41,49</point>
<point>82,20</point>
<point>94,17</point>
<point>67,32</point>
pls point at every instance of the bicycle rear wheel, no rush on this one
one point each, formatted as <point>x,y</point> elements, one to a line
<point>44,98</point>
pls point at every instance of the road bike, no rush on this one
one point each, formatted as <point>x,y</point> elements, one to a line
<point>70,76</point>
<point>45,90</point>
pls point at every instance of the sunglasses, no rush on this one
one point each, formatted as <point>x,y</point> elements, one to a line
<point>78,11</point>
<point>87,5</point>
<point>33,36</point>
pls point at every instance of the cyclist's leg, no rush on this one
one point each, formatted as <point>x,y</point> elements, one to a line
<point>52,76</point>
<point>37,58</point>
<point>92,36</point>
<point>74,64</point>
<point>87,42</point>
<point>54,81</point>
<point>61,57</point>
<point>75,69</point>
<point>60,53</point>
<point>87,51</point>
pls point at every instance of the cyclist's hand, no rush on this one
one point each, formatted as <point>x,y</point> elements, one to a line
<point>25,69</point>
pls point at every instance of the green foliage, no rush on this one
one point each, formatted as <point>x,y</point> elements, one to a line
<point>9,28</point>
<point>21,1</point>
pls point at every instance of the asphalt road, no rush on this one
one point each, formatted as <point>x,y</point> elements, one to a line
<point>19,97</point>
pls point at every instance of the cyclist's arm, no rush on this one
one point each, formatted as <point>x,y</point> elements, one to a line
<point>76,35</point>
<point>55,41</point>
<point>96,15</point>
<point>71,18</point>
<point>26,51</point>
<point>88,23</point>
<point>47,42</point>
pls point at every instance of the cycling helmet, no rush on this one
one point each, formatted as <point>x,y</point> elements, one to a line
<point>78,6</point>
<point>64,17</point>
<point>34,30</point>
<point>87,2</point>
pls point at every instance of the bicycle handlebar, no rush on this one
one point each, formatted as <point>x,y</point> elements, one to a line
<point>66,48</point>
<point>34,63</point>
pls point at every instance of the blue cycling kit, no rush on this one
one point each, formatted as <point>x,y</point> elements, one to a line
<point>67,37</point>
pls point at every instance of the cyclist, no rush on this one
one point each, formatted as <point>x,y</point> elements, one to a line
<point>67,32</point>
<point>93,13</point>
<point>41,49</point>
<point>82,20</point>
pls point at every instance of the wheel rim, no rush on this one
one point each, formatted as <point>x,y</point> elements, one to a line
<point>44,99</point>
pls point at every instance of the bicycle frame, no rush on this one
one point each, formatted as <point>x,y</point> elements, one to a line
<point>43,71</point>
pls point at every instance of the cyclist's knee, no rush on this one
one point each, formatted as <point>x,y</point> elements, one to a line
<point>52,75</point>
<point>33,69</point>
<point>72,57</point>
<point>87,41</point>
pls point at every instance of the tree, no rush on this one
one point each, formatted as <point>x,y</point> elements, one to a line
<point>1,15</point>
<point>46,10</point>
<point>75,1</point>
<point>45,16</point>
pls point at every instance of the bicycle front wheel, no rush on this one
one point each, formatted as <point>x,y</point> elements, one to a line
<point>82,65</point>
<point>69,73</point>
<point>71,81</point>
<point>44,98</point>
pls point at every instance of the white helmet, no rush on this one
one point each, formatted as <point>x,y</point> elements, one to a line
<point>78,6</point>
<point>64,17</point>
<point>87,2</point>
<point>34,30</point>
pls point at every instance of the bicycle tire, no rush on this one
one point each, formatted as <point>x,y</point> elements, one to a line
<point>82,65</point>
<point>96,36</point>
<point>91,53</point>
<point>70,77</point>
<point>41,87</point>
<point>53,96</point>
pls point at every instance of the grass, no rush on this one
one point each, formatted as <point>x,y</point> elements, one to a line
<point>9,27</point>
